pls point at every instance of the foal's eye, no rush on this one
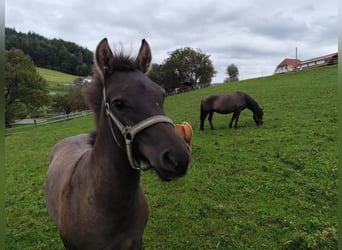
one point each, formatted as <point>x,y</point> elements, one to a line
<point>119,104</point>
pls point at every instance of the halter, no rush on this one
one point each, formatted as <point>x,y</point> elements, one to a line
<point>129,132</point>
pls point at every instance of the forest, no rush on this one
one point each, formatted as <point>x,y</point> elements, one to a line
<point>56,54</point>
<point>184,69</point>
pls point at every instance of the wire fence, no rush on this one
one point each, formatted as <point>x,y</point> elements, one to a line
<point>35,122</point>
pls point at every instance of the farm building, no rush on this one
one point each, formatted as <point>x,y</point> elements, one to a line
<point>319,61</point>
<point>289,65</point>
<point>186,86</point>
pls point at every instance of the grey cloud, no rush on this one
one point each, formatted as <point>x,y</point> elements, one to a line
<point>256,35</point>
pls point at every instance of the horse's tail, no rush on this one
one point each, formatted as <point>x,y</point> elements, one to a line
<point>202,115</point>
<point>202,106</point>
<point>201,109</point>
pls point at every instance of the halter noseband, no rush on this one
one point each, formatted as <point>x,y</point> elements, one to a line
<point>129,132</point>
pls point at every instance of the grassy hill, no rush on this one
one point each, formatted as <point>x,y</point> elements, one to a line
<point>56,79</point>
<point>269,187</point>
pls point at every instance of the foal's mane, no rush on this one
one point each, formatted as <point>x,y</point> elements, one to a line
<point>93,93</point>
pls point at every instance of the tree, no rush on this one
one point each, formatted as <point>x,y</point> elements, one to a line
<point>71,101</point>
<point>186,65</point>
<point>75,100</point>
<point>155,74</point>
<point>25,90</point>
<point>233,73</point>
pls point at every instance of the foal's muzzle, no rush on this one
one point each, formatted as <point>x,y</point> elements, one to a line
<point>129,132</point>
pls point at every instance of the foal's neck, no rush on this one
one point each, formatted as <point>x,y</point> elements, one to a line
<point>112,161</point>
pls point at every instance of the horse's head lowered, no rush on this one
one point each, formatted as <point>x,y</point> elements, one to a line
<point>132,106</point>
<point>257,116</point>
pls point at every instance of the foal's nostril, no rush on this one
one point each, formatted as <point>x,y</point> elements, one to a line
<point>175,164</point>
<point>170,161</point>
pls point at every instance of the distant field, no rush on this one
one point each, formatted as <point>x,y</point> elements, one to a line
<point>269,187</point>
<point>56,79</point>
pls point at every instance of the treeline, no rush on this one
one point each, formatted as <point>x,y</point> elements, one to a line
<point>26,92</point>
<point>55,54</point>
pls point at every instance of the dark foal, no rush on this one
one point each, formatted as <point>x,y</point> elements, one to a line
<point>92,188</point>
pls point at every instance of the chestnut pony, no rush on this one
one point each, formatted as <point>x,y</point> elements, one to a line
<point>92,188</point>
<point>184,130</point>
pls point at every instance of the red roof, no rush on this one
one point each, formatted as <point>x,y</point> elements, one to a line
<point>290,62</point>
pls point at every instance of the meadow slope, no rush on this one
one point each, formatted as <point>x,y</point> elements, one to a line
<point>56,80</point>
<point>269,187</point>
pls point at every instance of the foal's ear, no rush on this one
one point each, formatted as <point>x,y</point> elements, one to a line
<point>103,55</point>
<point>144,57</point>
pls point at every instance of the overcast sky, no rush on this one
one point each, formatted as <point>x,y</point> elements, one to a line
<point>255,35</point>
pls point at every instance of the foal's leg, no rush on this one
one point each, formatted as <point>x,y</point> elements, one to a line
<point>210,118</point>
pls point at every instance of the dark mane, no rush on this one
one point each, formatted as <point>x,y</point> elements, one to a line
<point>253,105</point>
<point>93,93</point>
<point>122,62</point>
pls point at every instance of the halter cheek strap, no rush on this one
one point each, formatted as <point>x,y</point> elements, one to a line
<point>129,132</point>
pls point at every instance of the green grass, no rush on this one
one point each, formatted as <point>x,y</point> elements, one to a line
<point>56,79</point>
<point>269,187</point>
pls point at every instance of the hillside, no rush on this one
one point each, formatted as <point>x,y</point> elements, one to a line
<point>58,82</point>
<point>268,187</point>
<point>56,77</point>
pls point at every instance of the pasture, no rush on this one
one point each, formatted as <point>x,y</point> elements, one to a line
<point>56,80</point>
<point>268,187</point>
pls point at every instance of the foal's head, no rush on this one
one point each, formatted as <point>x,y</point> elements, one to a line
<point>131,97</point>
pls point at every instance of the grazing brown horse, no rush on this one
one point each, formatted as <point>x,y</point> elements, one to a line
<point>92,187</point>
<point>184,130</point>
<point>225,104</point>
